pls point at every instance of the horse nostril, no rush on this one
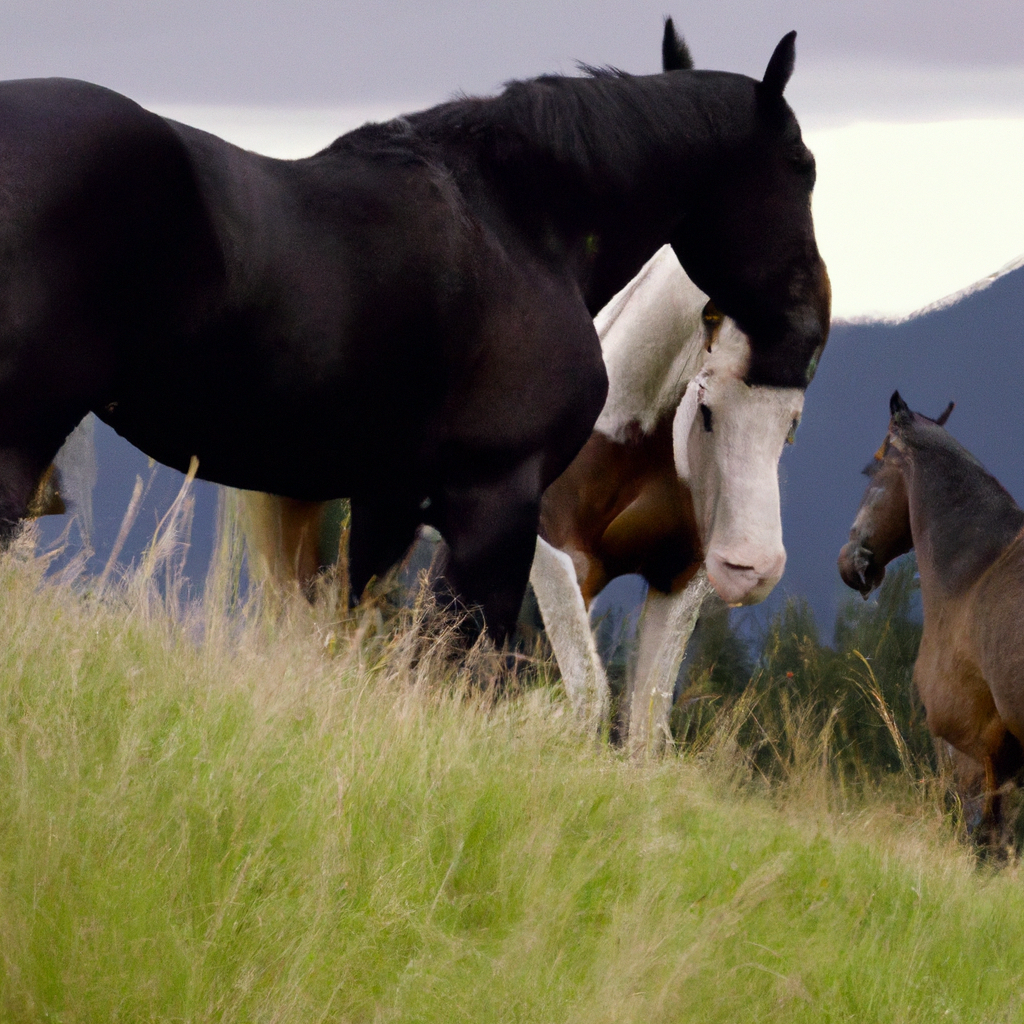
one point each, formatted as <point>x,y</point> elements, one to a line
<point>733,567</point>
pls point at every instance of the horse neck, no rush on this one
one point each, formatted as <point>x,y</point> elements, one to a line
<point>652,341</point>
<point>617,160</point>
<point>961,517</point>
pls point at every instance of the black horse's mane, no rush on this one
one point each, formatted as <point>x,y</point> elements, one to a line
<point>603,123</point>
<point>599,71</point>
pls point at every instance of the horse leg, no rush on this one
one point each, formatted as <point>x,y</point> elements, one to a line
<point>380,533</point>
<point>665,628</point>
<point>491,532</point>
<point>44,395</point>
<point>568,628</point>
<point>1001,767</point>
<point>300,532</point>
<point>282,537</point>
<point>25,473</point>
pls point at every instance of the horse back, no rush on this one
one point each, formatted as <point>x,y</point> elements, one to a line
<point>98,193</point>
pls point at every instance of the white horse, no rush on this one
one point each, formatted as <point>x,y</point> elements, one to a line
<point>681,471</point>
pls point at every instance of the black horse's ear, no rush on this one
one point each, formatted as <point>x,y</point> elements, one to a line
<point>780,67</point>
<point>945,414</point>
<point>899,410</point>
<point>675,54</point>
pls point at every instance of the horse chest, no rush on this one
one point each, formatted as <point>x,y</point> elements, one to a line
<point>620,508</point>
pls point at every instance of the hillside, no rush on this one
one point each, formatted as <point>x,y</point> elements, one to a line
<point>274,825</point>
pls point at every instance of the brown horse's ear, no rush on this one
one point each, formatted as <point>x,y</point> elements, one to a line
<point>780,67</point>
<point>945,414</point>
<point>675,54</point>
<point>899,410</point>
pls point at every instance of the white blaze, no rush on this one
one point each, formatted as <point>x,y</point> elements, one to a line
<point>732,469</point>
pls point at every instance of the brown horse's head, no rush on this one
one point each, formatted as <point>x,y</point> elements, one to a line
<point>881,529</point>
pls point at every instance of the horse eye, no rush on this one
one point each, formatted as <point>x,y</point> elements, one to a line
<point>706,413</point>
<point>711,315</point>
<point>712,320</point>
<point>791,436</point>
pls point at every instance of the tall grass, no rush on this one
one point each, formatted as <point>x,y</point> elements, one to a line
<point>858,692</point>
<point>258,810</point>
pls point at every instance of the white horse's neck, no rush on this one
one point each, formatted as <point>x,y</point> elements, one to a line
<point>652,340</point>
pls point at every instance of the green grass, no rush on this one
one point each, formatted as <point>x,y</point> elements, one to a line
<point>296,820</point>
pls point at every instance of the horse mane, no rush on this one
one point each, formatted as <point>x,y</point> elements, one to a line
<point>601,71</point>
<point>606,125</point>
<point>972,516</point>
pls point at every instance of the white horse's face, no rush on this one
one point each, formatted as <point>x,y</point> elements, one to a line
<point>727,438</point>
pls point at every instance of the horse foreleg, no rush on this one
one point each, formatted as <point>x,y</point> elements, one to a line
<point>568,628</point>
<point>667,622</point>
<point>491,530</point>
<point>381,531</point>
<point>23,490</point>
<point>990,813</point>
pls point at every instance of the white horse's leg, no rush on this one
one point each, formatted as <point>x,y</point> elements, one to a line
<point>665,628</point>
<point>568,628</point>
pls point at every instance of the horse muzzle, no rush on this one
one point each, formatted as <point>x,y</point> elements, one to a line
<point>738,583</point>
<point>858,568</point>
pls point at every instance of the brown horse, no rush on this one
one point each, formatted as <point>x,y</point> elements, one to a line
<point>929,493</point>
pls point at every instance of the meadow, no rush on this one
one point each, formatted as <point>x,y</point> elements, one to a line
<point>253,809</point>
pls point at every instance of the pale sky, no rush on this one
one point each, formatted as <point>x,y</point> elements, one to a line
<point>330,53</point>
<point>914,110</point>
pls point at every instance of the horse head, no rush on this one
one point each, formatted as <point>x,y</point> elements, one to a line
<point>728,436</point>
<point>750,243</point>
<point>881,528</point>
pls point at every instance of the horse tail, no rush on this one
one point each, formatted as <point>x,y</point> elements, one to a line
<point>282,538</point>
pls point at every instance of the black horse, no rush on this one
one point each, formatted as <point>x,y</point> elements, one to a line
<point>404,317</point>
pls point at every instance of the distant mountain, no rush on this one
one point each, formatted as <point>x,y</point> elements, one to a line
<point>971,351</point>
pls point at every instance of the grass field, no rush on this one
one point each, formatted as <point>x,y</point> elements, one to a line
<point>260,815</point>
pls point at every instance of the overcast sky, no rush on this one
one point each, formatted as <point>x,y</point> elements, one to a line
<point>323,53</point>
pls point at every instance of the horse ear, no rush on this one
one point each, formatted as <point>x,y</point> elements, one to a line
<point>899,410</point>
<point>945,414</point>
<point>675,54</point>
<point>780,67</point>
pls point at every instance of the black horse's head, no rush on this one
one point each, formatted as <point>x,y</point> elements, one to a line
<point>750,242</point>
